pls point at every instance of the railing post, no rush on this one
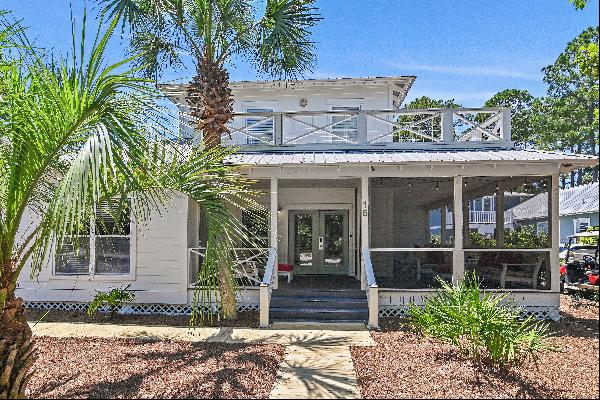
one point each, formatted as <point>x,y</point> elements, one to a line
<point>447,125</point>
<point>362,136</point>
<point>264,305</point>
<point>506,132</point>
<point>277,128</point>
<point>374,307</point>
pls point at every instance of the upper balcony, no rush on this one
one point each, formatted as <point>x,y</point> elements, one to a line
<point>368,129</point>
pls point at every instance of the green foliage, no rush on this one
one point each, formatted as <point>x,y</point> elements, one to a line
<point>520,103</point>
<point>276,42</point>
<point>76,133</point>
<point>113,299</point>
<point>412,121</point>
<point>480,241</point>
<point>524,237</point>
<point>481,325</point>
<point>579,4</point>
<point>568,117</point>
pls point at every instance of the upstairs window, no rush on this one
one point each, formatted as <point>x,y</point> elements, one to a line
<point>345,126</point>
<point>259,128</point>
<point>102,248</point>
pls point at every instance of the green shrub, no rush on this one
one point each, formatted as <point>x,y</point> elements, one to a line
<point>114,300</point>
<point>480,325</point>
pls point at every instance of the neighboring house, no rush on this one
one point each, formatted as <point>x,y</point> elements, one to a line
<point>578,210</point>
<point>350,179</point>
<point>482,214</point>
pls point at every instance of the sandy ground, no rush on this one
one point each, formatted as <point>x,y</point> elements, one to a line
<point>405,365</point>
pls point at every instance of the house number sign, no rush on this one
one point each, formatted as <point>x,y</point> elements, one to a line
<point>365,211</point>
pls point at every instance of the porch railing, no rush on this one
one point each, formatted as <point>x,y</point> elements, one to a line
<point>369,127</point>
<point>266,288</point>
<point>371,288</point>
<point>248,263</point>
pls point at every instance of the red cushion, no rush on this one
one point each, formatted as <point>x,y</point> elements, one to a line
<point>286,267</point>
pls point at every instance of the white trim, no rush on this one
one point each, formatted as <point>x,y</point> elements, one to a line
<point>407,249</point>
<point>91,275</point>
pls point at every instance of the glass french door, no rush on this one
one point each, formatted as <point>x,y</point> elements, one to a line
<point>319,241</point>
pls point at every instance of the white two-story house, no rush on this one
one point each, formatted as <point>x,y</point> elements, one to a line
<point>352,182</point>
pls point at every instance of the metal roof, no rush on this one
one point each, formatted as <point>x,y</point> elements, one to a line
<point>574,201</point>
<point>292,158</point>
<point>401,85</point>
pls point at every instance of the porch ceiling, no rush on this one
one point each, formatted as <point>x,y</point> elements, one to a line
<point>409,157</point>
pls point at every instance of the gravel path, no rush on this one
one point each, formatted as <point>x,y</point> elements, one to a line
<point>405,365</point>
<point>85,368</point>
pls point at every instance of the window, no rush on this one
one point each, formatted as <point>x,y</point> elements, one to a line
<point>346,125</point>
<point>105,250</point>
<point>580,224</point>
<point>542,226</point>
<point>259,128</point>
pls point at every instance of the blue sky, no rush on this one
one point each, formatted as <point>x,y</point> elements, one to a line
<point>466,50</point>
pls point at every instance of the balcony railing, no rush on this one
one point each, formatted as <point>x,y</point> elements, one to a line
<point>367,127</point>
<point>483,217</point>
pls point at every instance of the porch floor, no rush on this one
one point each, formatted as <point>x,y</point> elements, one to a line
<point>319,282</point>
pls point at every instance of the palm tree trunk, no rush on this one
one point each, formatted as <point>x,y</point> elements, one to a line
<point>210,100</point>
<point>211,104</point>
<point>227,292</point>
<point>17,352</point>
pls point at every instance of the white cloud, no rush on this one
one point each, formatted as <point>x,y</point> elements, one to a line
<point>470,70</point>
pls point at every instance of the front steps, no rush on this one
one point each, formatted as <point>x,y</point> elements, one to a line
<point>305,305</point>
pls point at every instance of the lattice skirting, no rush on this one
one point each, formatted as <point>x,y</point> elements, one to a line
<point>166,309</point>
<point>540,312</point>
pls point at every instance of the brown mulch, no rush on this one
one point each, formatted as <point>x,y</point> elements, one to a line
<point>248,319</point>
<point>406,365</point>
<point>132,368</point>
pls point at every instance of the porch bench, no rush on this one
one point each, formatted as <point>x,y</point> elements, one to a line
<point>513,272</point>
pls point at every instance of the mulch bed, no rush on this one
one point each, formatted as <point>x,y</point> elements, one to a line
<point>406,365</point>
<point>248,319</point>
<point>131,368</point>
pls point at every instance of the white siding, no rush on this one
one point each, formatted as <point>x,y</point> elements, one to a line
<point>160,264</point>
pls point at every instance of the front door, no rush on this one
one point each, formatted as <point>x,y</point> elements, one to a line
<point>319,241</point>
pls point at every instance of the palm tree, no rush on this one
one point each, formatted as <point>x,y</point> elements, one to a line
<point>213,33</point>
<point>75,133</point>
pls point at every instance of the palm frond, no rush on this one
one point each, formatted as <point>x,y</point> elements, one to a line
<point>283,46</point>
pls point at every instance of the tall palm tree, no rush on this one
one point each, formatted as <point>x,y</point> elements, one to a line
<point>75,133</point>
<point>215,32</point>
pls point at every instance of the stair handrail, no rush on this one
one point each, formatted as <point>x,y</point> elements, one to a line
<point>372,290</point>
<point>266,287</point>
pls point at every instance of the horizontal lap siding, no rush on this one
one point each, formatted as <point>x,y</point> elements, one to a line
<point>160,270</point>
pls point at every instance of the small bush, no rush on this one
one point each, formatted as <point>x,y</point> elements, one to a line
<point>114,300</point>
<point>482,326</point>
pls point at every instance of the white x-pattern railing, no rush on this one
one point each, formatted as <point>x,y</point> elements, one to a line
<point>370,127</point>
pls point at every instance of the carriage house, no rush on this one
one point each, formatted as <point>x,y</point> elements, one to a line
<point>370,205</point>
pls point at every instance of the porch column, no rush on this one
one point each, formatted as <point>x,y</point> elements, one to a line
<point>443,222</point>
<point>364,226</point>
<point>500,218</point>
<point>554,232</point>
<point>274,236</point>
<point>458,255</point>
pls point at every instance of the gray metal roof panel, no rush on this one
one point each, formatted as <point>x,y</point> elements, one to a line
<point>399,157</point>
